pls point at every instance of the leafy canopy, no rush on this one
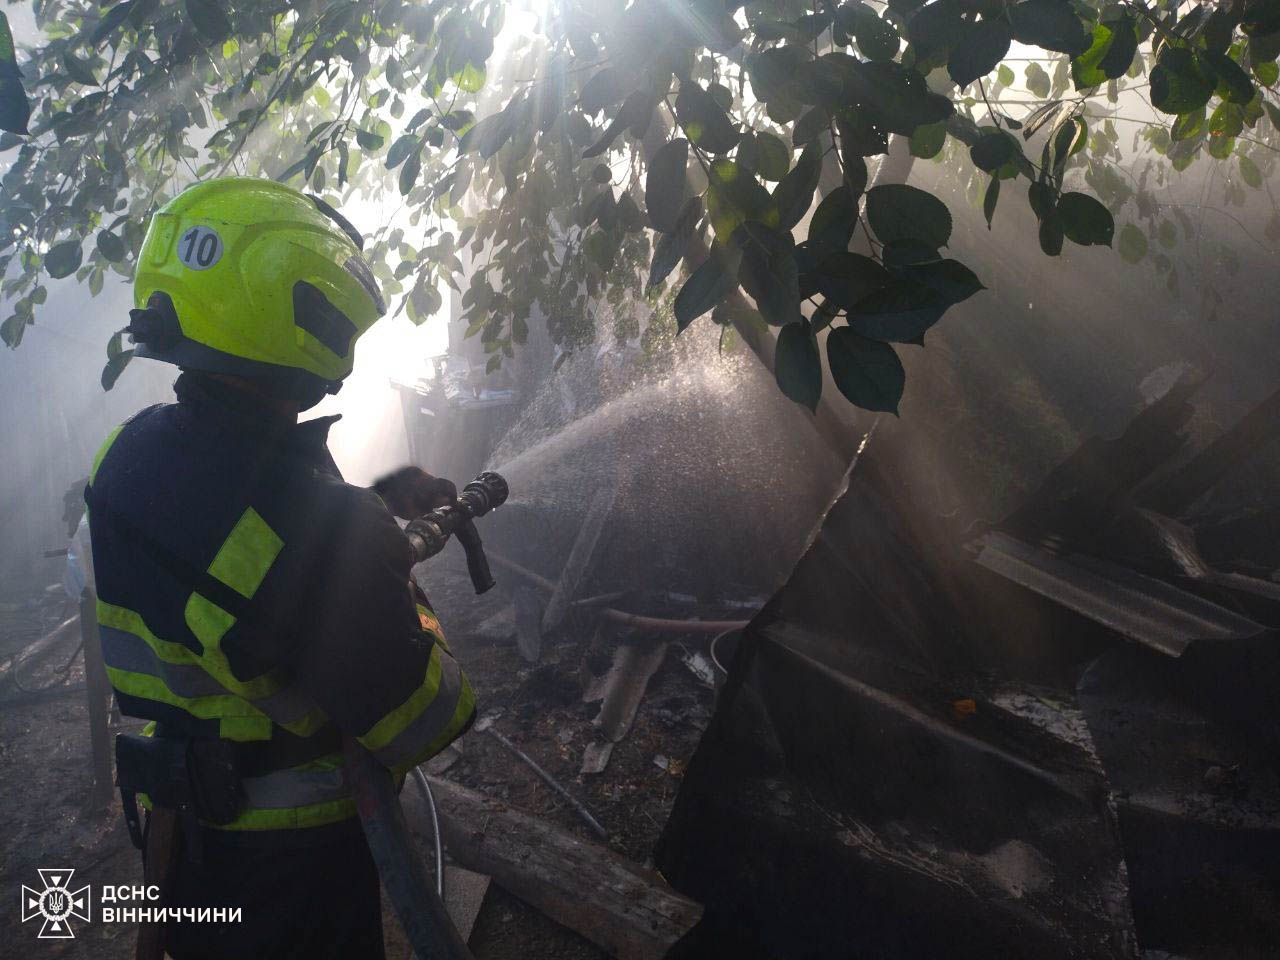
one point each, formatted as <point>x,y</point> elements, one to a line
<point>614,148</point>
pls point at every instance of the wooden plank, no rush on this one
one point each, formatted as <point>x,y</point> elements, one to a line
<point>619,906</point>
<point>98,693</point>
<point>63,631</point>
<point>623,687</point>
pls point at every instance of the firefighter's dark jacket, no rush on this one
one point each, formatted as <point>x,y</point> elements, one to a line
<point>246,592</point>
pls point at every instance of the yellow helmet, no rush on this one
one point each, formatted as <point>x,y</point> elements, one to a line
<point>249,277</point>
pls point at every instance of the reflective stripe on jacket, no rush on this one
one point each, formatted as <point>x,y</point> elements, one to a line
<point>245,592</point>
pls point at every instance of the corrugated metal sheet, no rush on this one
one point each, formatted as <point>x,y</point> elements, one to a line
<point>1141,608</point>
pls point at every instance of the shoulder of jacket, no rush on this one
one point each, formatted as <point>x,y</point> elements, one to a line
<point>344,500</point>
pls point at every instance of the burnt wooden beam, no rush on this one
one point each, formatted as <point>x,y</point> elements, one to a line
<point>614,903</point>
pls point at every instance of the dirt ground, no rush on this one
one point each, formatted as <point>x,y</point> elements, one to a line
<point>45,777</point>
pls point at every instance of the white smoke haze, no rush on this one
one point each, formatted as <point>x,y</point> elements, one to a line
<point>1055,350</point>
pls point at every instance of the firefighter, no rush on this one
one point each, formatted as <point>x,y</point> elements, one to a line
<point>256,609</point>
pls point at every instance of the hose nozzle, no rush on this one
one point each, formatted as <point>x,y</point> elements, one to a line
<point>428,534</point>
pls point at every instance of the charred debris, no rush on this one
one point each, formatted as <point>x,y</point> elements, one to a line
<point>1047,736</point>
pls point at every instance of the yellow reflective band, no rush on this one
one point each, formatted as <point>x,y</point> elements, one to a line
<point>240,719</point>
<point>461,715</point>
<point>386,729</point>
<point>102,452</point>
<point>210,623</point>
<point>247,554</point>
<point>122,618</point>
<point>295,818</point>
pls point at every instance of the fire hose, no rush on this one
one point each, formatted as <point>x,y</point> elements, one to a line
<point>419,904</point>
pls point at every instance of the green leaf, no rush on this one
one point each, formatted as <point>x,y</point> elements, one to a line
<point>1051,24</point>
<point>15,109</point>
<point>1179,81</point>
<point>1051,233</point>
<point>1233,83</point>
<point>832,224</point>
<point>876,38</point>
<point>809,126</point>
<point>1273,113</point>
<point>409,173</point>
<point>993,149</point>
<point>771,71</point>
<point>773,156</point>
<point>488,135</point>
<point>669,249</point>
<point>78,70</point>
<point>1187,125</point>
<point>1004,74</point>
<point>635,111</point>
<point>111,246</point>
<point>844,278</point>
<point>1133,243</point>
<point>1109,55</point>
<point>110,22</point>
<point>894,98</point>
<point>1250,172</point>
<point>704,120</point>
<point>666,184</point>
<point>904,253</point>
<point>1227,120</point>
<point>1267,72</point>
<point>1038,81</point>
<point>368,140</point>
<point>928,140</point>
<point>209,19</point>
<point>114,367</point>
<point>979,47</point>
<point>989,200</point>
<point>933,30</point>
<point>797,365</point>
<point>866,371</point>
<point>950,280</point>
<point>907,306</point>
<point>899,211</point>
<point>63,259</point>
<point>401,149</point>
<point>794,194</point>
<point>1040,116</point>
<point>459,121</point>
<point>768,271</point>
<point>13,328</point>
<point>604,89</point>
<point>734,195</point>
<point>714,279</point>
<point>1085,220</point>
